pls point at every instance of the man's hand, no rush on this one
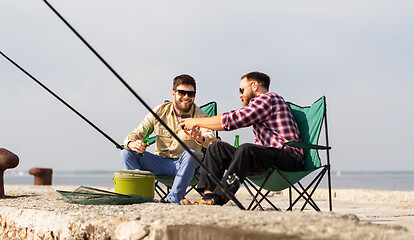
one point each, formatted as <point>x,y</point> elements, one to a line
<point>188,123</point>
<point>196,135</point>
<point>137,146</point>
<point>213,123</point>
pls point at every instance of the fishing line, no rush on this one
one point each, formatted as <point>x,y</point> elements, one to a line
<point>61,100</point>
<point>214,178</point>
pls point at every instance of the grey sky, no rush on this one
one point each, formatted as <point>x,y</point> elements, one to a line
<point>359,54</point>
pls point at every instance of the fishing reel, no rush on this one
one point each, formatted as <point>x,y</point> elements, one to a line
<point>233,179</point>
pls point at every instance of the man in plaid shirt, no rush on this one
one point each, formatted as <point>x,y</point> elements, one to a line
<point>273,124</point>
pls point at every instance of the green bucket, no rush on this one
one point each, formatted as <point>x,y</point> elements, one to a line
<point>139,185</point>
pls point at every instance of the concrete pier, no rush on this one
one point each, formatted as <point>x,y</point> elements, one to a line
<point>38,212</point>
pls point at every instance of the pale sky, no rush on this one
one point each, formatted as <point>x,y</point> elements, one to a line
<point>359,54</point>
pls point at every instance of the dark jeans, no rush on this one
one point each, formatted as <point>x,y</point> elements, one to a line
<point>249,159</point>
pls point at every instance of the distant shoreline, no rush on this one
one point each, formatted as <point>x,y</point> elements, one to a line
<point>385,180</point>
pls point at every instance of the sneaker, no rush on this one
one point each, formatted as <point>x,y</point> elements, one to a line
<point>208,196</point>
<point>206,202</point>
<point>212,199</point>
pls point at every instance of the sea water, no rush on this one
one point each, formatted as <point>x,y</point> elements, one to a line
<point>396,181</point>
<point>74,178</point>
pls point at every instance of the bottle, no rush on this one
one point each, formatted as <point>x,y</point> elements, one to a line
<point>236,141</point>
<point>145,139</point>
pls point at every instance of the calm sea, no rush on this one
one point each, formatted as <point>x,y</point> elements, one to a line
<point>398,181</point>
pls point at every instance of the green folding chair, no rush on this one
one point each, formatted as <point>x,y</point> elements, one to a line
<point>309,120</point>
<point>211,110</point>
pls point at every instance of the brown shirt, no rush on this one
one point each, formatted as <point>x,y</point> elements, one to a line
<point>166,145</point>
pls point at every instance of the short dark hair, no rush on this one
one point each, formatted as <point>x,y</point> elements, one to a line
<point>184,79</point>
<point>259,77</point>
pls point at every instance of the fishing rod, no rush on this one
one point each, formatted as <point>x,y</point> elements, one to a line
<point>61,100</point>
<point>214,178</point>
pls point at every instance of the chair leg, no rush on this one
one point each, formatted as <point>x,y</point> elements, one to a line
<point>261,187</point>
<point>318,179</point>
<point>309,199</point>
<point>254,197</point>
<point>329,188</point>
<point>159,190</point>
<point>301,194</point>
<point>263,197</point>
<point>191,188</point>
<point>250,192</point>
<point>311,202</point>
<point>168,192</point>
<point>161,193</point>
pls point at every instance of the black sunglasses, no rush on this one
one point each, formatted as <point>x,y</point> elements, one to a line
<point>182,93</point>
<point>242,90</point>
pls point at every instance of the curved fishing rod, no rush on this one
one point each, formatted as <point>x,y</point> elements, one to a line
<point>214,178</point>
<point>61,100</point>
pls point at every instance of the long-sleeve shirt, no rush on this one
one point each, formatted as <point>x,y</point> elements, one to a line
<point>271,119</point>
<point>166,145</point>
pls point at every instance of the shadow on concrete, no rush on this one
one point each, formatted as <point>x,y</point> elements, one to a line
<point>20,196</point>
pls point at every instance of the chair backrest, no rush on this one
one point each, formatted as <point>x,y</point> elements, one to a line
<point>209,108</point>
<point>309,120</point>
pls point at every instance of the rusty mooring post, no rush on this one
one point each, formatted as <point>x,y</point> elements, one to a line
<point>7,160</point>
<point>42,176</point>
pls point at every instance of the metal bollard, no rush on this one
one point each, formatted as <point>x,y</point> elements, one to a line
<point>42,176</point>
<point>7,160</point>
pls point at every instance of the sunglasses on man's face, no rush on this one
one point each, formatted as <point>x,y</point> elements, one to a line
<point>242,89</point>
<point>182,93</point>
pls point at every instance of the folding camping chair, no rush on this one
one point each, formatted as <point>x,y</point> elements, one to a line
<point>211,110</point>
<point>309,120</point>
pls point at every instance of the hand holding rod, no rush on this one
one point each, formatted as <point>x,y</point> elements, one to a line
<point>228,194</point>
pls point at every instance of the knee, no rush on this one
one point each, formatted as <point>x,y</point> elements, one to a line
<point>126,154</point>
<point>123,153</point>
<point>215,146</point>
<point>187,157</point>
<point>243,147</point>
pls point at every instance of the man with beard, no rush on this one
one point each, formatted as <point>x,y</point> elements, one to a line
<point>273,124</point>
<point>170,158</point>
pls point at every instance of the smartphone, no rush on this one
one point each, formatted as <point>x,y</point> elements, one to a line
<point>185,115</point>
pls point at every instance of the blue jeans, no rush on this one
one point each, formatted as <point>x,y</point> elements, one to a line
<point>182,168</point>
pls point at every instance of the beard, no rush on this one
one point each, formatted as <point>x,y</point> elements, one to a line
<point>181,107</point>
<point>246,99</point>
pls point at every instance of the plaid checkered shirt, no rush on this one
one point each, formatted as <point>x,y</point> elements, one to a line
<point>271,119</point>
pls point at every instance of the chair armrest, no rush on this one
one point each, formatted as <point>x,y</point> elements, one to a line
<point>305,145</point>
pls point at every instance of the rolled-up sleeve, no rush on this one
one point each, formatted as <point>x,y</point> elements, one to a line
<point>256,111</point>
<point>139,132</point>
<point>208,137</point>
